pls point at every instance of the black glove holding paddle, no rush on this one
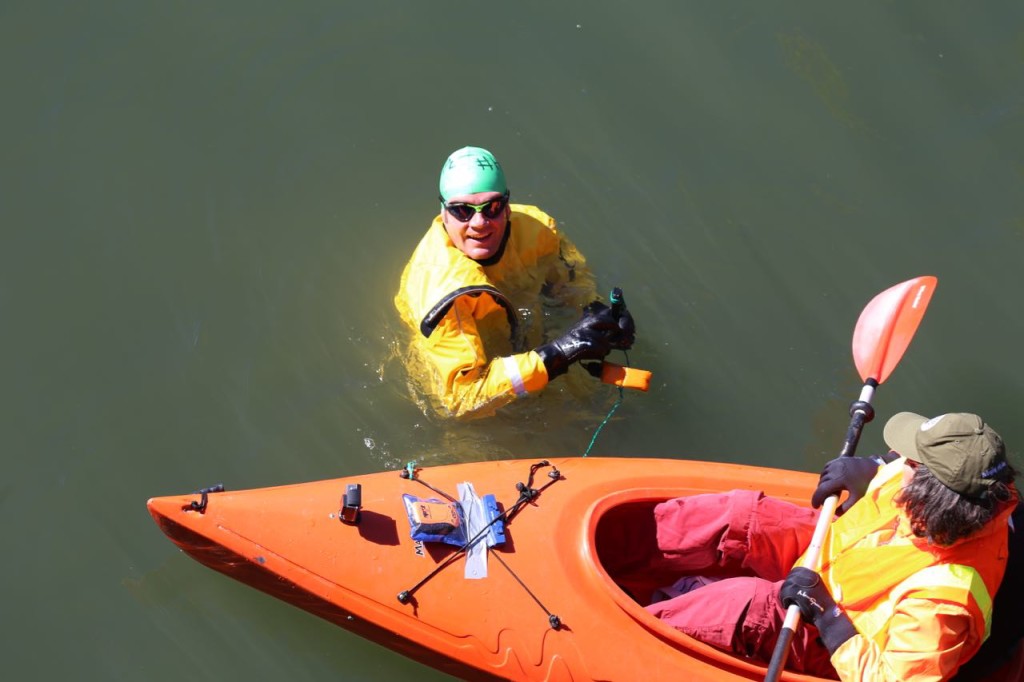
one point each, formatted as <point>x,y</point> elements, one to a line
<point>852,474</point>
<point>599,331</point>
<point>805,588</point>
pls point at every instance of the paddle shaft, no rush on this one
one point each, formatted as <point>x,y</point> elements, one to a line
<point>860,414</point>
<point>883,332</point>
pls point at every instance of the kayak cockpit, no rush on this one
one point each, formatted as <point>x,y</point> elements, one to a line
<point>625,546</point>
<point>625,554</point>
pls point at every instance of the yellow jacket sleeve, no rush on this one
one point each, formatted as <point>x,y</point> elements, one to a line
<point>472,383</point>
<point>927,642</point>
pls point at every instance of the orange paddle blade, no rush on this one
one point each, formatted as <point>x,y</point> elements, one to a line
<point>887,324</point>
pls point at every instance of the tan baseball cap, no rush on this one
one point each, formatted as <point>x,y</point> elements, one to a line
<point>959,448</point>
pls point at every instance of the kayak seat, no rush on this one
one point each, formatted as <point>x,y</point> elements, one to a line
<point>627,548</point>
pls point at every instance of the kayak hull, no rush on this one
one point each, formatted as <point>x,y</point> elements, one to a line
<point>556,603</point>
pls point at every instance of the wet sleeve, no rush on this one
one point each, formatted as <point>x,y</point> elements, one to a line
<point>470,383</point>
<point>927,641</point>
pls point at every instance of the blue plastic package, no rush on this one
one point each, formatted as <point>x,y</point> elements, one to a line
<point>433,520</point>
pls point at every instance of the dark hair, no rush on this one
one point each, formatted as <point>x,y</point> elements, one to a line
<point>943,515</point>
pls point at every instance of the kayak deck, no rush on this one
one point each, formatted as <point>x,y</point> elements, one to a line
<point>576,551</point>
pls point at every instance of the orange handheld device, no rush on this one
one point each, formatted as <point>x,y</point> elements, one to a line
<point>619,375</point>
<point>627,377</point>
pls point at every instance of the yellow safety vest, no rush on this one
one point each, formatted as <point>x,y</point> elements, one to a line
<point>871,561</point>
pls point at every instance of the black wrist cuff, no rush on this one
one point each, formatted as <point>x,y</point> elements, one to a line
<point>554,360</point>
<point>835,627</point>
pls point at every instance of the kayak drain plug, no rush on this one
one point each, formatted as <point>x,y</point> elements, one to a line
<point>351,503</point>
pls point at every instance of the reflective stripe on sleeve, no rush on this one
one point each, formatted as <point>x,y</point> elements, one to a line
<point>512,370</point>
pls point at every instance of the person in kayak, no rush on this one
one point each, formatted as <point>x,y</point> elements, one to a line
<point>908,569</point>
<point>480,287</point>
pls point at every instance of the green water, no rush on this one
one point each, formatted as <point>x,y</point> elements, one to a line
<point>205,209</point>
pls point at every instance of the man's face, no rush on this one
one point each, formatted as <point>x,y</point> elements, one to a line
<point>479,236</point>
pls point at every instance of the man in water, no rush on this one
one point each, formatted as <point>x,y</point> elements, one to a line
<point>480,287</point>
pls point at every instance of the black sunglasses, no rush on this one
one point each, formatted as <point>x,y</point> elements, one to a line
<point>465,212</point>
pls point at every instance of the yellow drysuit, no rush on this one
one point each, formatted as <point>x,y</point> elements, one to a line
<point>472,324</point>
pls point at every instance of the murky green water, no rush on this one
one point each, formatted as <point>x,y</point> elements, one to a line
<point>205,209</point>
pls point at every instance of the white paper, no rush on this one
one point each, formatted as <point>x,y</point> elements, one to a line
<point>476,521</point>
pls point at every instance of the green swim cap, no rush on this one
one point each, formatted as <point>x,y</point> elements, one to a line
<point>470,170</point>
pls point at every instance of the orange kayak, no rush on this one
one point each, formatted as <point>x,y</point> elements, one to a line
<point>555,601</point>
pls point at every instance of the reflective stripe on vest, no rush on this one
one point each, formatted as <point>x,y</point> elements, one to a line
<point>948,582</point>
<point>852,568</point>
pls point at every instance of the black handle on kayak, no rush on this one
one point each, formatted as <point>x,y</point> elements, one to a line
<point>352,504</point>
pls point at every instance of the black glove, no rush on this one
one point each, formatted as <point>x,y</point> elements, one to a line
<point>624,338</point>
<point>589,339</point>
<point>804,588</point>
<point>852,474</point>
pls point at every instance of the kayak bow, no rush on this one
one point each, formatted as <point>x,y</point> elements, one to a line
<point>577,551</point>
